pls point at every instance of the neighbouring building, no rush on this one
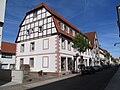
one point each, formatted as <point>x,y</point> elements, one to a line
<point>7,55</point>
<point>92,36</point>
<point>2,14</point>
<point>118,14</point>
<point>102,56</point>
<point>103,59</point>
<point>44,41</point>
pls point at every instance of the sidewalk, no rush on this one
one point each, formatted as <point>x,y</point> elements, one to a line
<point>24,86</point>
<point>114,84</point>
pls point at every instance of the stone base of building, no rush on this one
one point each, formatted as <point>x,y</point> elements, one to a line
<point>52,73</point>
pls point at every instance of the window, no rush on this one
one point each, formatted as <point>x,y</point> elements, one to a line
<point>63,63</point>
<point>28,32</point>
<point>31,62</point>
<point>35,14</point>
<point>63,44</point>
<point>40,29</point>
<point>62,26</point>
<point>45,62</point>
<point>6,55</point>
<point>69,63</point>
<point>22,48</point>
<point>32,46</point>
<point>21,61</point>
<point>67,29</point>
<point>69,46</point>
<point>73,33</point>
<point>45,44</point>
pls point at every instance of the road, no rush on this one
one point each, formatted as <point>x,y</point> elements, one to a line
<point>97,81</point>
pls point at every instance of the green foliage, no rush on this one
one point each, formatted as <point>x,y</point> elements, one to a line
<point>80,43</point>
<point>107,55</point>
<point>40,72</point>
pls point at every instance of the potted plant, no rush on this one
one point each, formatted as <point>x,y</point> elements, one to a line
<point>40,73</point>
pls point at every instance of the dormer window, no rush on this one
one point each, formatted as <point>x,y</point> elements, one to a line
<point>67,29</point>
<point>73,33</point>
<point>62,26</point>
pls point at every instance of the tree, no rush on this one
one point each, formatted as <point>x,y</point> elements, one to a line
<point>80,43</point>
<point>107,55</point>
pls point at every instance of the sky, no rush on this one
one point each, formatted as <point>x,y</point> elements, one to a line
<point>87,15</point>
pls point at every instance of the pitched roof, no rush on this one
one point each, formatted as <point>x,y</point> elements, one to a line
<point>91,37</point>
<point>57,18</point>
<point>55,14</point>
<point>104,51</point>
<point>7,47</point>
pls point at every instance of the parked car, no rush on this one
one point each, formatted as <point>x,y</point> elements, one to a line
<point>105,66</point>
<point>88,70</point>
<point>97,68</point>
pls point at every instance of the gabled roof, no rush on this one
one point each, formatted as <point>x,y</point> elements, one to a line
<point>91,37</point>
<point>57,18</point>
<point>7,47</point>
<point>104,51</point>
<point>56,15</point>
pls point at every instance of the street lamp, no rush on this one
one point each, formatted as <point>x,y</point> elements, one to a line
<point>118,14</point>
<point>116,43</point>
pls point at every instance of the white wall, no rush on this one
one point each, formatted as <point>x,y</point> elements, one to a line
<point>38,54</point>
<point>2,10</point>
<point>0,36</point>
<point>7,61</point>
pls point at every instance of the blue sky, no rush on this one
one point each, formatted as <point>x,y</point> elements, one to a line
<point>86,15</point>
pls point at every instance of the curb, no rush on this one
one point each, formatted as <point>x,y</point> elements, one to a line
<point>40,83</point>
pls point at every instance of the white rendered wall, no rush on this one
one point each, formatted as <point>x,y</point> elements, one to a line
<point>38,54</point>
<point>7,61</point>
<point>2,10</point>
<point>0,36</point>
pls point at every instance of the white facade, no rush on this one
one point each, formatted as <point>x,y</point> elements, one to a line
<point>7,62</point>
<point>2,10</point>
<point>96,52</point>
<point>40,45</point>
<point>44,55</point>
<point>40,25</point>
<point>2,13</point>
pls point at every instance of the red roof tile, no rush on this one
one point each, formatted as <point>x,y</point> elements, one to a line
<point>8,47</point>
<point>55,14</point>
<point>104,51</point>
<point>91,37</point>
<point>57,19</point>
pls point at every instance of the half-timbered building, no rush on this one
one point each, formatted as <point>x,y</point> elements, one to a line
<point>44,41</point>
<point>92,36</point>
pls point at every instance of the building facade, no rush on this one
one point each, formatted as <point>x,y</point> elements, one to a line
<point>118,14</point>
<point>92,36</point>
<point>7,55</point>
<point>2,14</point>
<point>44,41</point>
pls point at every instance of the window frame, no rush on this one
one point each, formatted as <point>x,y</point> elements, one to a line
<point>21,59</point>
<point>32,46</point>
<point>22,47</point>
<point>31,62</point>
<point>62,26</point>
<point>63,44</point>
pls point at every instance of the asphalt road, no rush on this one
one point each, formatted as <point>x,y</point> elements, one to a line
<point>97,81</point>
